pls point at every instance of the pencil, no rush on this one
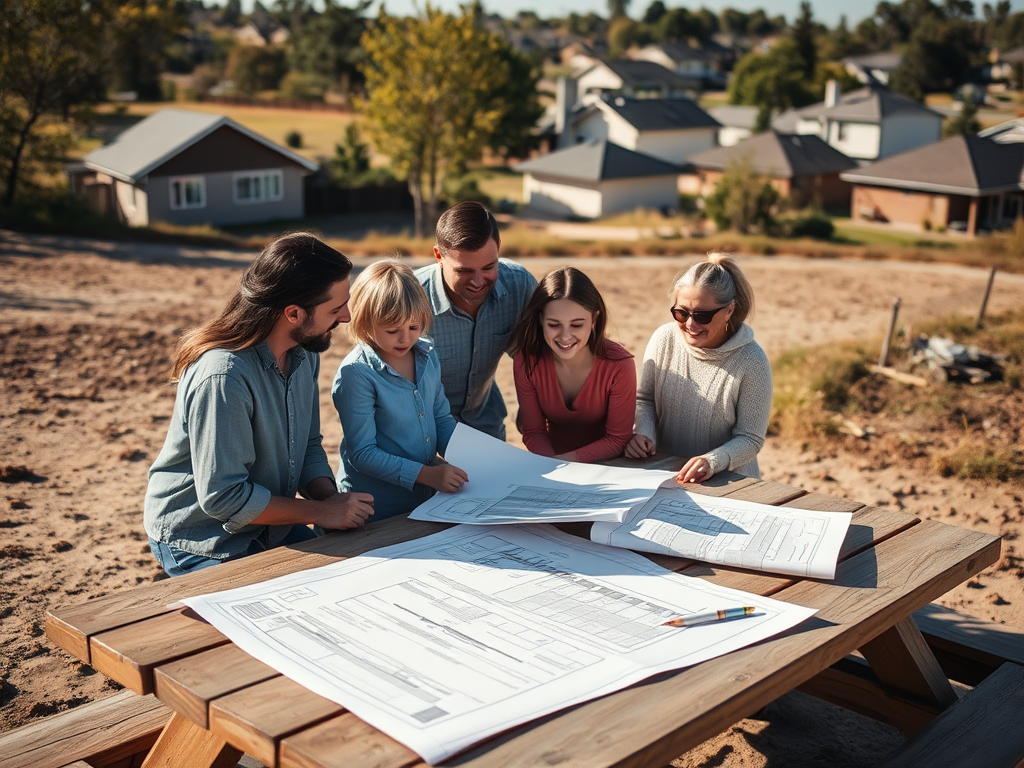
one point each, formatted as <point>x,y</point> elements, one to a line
<point>708,616</point>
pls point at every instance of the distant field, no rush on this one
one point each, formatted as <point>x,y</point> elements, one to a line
<point>320,130</point>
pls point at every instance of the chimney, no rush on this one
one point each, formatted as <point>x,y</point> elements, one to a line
<point>565,102</point>
<point>832,93</point>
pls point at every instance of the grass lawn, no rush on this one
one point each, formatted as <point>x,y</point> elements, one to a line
<point>847,232</point>
<point>320,130</point>
<point>497,182</point>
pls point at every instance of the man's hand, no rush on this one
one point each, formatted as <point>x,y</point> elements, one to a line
<point>444,477</point>
<point>639,447</point>
<point>346,510</point>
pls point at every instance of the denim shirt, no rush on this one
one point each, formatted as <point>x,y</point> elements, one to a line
<point>240,433</point>
<point>470,349</point>
<point>392,427</point>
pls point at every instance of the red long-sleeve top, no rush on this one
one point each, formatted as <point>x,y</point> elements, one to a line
<point>598,423</point>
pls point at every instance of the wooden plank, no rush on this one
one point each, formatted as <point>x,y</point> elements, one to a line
<point>982,729</point>
<point>362,745</point>
<point>902,660</point>
<point>190,684</point>
<point>824,503</point>
<point>852,685</point>
<point>129,654</point>
<point>109,729</point>
<point>763,492</point>
<point>968,648</point>
<point>656,721</point>
<point>256,718</point>
<point>183,744</point>
<point>71,626</point>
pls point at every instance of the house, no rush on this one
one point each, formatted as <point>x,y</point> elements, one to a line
<point>195,168</point>
<point>963,183</point>
<point>801,167</point>
<point>1012,131</point>
<point>670,129</point>
<point>737,121</point>
<point>873,68</point>
<point>598,178</point>
<point>866,124</point>
<point>639,79</point>
<point>689,61</point>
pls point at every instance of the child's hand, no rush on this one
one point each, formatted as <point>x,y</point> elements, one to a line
<point>443,477</point>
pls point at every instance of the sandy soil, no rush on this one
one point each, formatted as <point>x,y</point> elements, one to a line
<point>86,329</point>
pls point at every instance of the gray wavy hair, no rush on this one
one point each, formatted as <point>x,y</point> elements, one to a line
<point>722,277</point>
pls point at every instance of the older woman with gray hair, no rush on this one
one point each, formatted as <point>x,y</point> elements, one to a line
<point>705,392</point>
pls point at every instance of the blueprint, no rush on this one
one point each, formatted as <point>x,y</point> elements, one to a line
<point>510,485</point>
<point>446,640</point>
<point>795,542</point>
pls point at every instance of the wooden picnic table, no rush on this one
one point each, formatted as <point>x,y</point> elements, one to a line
<point>226,702</point>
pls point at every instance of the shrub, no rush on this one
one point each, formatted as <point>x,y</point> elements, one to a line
<point>814,224</point>
<point>459,189</point>
<point>293,139</point>
<point>743,200</point>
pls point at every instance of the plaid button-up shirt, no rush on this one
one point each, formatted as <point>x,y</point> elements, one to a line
<point>470,349</point>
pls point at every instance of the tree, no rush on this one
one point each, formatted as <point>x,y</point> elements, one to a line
<point>773,81</point>
<point>253,68</point>
<point>617,8</point>
<point>966,123</point>
<point>654,13</point>
<point>518,99</point>
<point>139,33</point>
<point>622,33</point>
<point>325,46</point>
<point>51,55</point>
<point>939,53</point>
<point>804,37</point>
<point>743,200</point>
<point>431,106</point>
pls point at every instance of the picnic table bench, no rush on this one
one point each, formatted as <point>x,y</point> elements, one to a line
<point>225,702</point>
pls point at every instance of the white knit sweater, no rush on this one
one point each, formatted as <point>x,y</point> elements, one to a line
<point>712,403</point>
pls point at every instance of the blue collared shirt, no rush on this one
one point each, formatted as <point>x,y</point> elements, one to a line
<point>470,349</point>
<point>240,433</point>
<point>392,427</point>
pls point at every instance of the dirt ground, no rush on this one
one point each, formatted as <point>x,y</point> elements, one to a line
<point>86,329</point>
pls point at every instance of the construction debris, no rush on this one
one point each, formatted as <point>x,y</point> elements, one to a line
<point>951,361</point>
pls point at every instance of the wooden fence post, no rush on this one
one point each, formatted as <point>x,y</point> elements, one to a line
<point>984,300</point>
<point>888,334</point>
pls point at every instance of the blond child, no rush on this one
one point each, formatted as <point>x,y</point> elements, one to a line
<point>388,393</point>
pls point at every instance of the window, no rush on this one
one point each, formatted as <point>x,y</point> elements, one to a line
<point>258,187</point>
<point>188,192</point>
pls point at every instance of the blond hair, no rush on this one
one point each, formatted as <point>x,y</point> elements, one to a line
<point>384,295</point>
<point>722,277</point>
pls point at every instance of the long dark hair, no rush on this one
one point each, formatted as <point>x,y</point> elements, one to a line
<point>296,268</point>
<point>564,283</point>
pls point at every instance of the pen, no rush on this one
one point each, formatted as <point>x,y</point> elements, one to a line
<point>708,616</point>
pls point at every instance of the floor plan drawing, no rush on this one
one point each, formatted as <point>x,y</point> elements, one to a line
<point>444,640</point>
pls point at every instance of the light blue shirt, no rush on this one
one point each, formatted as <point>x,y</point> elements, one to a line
<point>470,349</point>
<point>240,433</point>
<point>392,427</point>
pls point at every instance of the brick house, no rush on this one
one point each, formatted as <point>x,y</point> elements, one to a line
<point>964,183</point>
<point>803,168</point>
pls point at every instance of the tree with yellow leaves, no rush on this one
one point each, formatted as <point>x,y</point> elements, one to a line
<point>434,100</point>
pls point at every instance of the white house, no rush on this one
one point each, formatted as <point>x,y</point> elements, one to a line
<point>598,178</point>
<point>867,124</point>
<point>670,129</point>
<point>873,67</point>
<point>737,121</point>
<point>683,59</point>
<point>639,79</point>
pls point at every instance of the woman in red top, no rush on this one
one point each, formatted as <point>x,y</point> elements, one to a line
<point>577,390</point>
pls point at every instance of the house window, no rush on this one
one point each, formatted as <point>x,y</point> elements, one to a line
<point>258,187</point>
<point>188,192</point>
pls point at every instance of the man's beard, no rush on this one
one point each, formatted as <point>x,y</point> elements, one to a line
<point>312,342</point>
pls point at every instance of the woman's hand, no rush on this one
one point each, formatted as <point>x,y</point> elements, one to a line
<point>639,447</point>
<point>444,477</point>
<point>696,470</point>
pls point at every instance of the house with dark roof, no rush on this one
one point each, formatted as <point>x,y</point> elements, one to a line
<point>598,178</point>
<point>638,79</point>
<point>692,62</point>
<point>670,129</point>
<point>966,183</point>
<point>802,168</point>
<point>1009,132</point>
<point>866,124</point>
<point>737,121</point>
<point>194,168</point>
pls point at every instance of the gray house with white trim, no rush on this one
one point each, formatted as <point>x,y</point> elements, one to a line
<point>195,168</point>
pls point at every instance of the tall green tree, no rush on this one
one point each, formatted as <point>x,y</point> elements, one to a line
<point>966,123</point>
<point>804,34</point>
<point>51,51</point>
<point>325,45</point>
<point>617,8</point>
<point>431,106</point>
<point>517,98</point>
<point>772,81</point>
<point>654,13</point>
<point>139,33</point>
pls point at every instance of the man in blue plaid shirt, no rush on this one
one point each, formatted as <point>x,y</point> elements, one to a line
<point>477,298</point>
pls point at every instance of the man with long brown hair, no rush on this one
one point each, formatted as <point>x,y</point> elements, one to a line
<point>245,434</point>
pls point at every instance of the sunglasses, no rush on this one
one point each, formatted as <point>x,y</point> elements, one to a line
<point>700,316</point>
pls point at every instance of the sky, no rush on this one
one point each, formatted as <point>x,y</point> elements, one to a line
<point>825,11</point>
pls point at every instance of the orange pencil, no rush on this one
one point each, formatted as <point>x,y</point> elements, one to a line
<point>708,616</point>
